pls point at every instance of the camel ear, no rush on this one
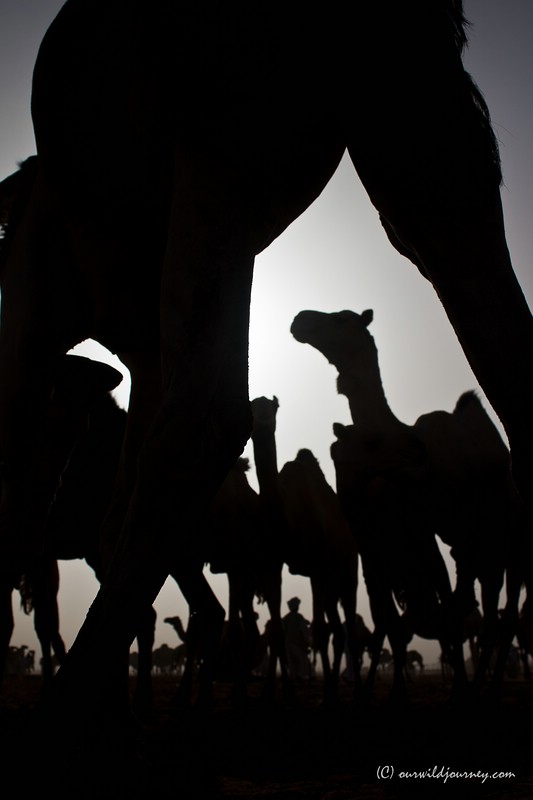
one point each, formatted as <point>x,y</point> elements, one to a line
<point>339,429</point>
<point>275,401</point>
<point>367,317</point>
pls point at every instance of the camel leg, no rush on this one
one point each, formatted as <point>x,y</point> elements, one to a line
<point>399,649</point>
<point>464,254</point>
<point>180,468</point>
<point>378,638</point>
<point>507,628</point>
<point>338,640</point>
<point>472,274</point>
<point>429,163</point>
<point>462,603</point>
<point>452,622</point>
<point>387,622</point>
<point>45,583</point>
<point>321,633</point>
<point>204,633</point>
<point>251,634</point>
<point>455,654</point>
<point>507,631</point>
<point>276,640</point>
<point>490,593</point>
<point>348,601</point>
<point>204,419</point>
<point>243,633</point>
<point>143,695</point>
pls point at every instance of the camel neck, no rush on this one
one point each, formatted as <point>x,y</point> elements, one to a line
<point>265,457</point>
<point>366,397</point>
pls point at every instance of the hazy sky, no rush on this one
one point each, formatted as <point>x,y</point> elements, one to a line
<point>334,256</point>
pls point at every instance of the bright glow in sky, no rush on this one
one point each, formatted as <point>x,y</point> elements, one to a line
<point>334,256</point>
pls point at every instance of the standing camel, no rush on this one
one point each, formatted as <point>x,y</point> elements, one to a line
<point>159,179</point>
<point>235,544</point>
<point>316,539</point>
<point>446,475</point>
<point>96,428</point>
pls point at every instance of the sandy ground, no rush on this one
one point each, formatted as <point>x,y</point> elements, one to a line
<point>282,752</point>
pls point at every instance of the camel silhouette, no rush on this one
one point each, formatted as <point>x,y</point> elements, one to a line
<point>264,414</point>
<point>175,145</point>
<point>448,474</point>
<point>236,538</point>
<point>38,585</point>
<point>95,430</point>
<point>317,540</point>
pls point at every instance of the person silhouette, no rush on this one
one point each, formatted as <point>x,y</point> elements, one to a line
<point>298,640</point>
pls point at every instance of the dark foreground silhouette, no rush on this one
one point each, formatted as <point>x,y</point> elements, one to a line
<point>235,116</point>
<point>301,751</point>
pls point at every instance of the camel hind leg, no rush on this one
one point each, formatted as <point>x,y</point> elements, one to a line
<point>338,641</point>
<point>321,631</point>
<point>428,160</point>
<point>354,646</point>
<point>44,579</point>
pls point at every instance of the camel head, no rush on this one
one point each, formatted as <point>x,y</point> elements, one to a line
<point>339,336</point>
<point>264,412</point>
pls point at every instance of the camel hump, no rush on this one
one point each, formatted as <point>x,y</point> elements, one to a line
<point>313,509</point>
<point>304,477</point>
<point>465,442</point>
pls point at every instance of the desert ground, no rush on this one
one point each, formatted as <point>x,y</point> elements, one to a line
<point>429,747</point>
